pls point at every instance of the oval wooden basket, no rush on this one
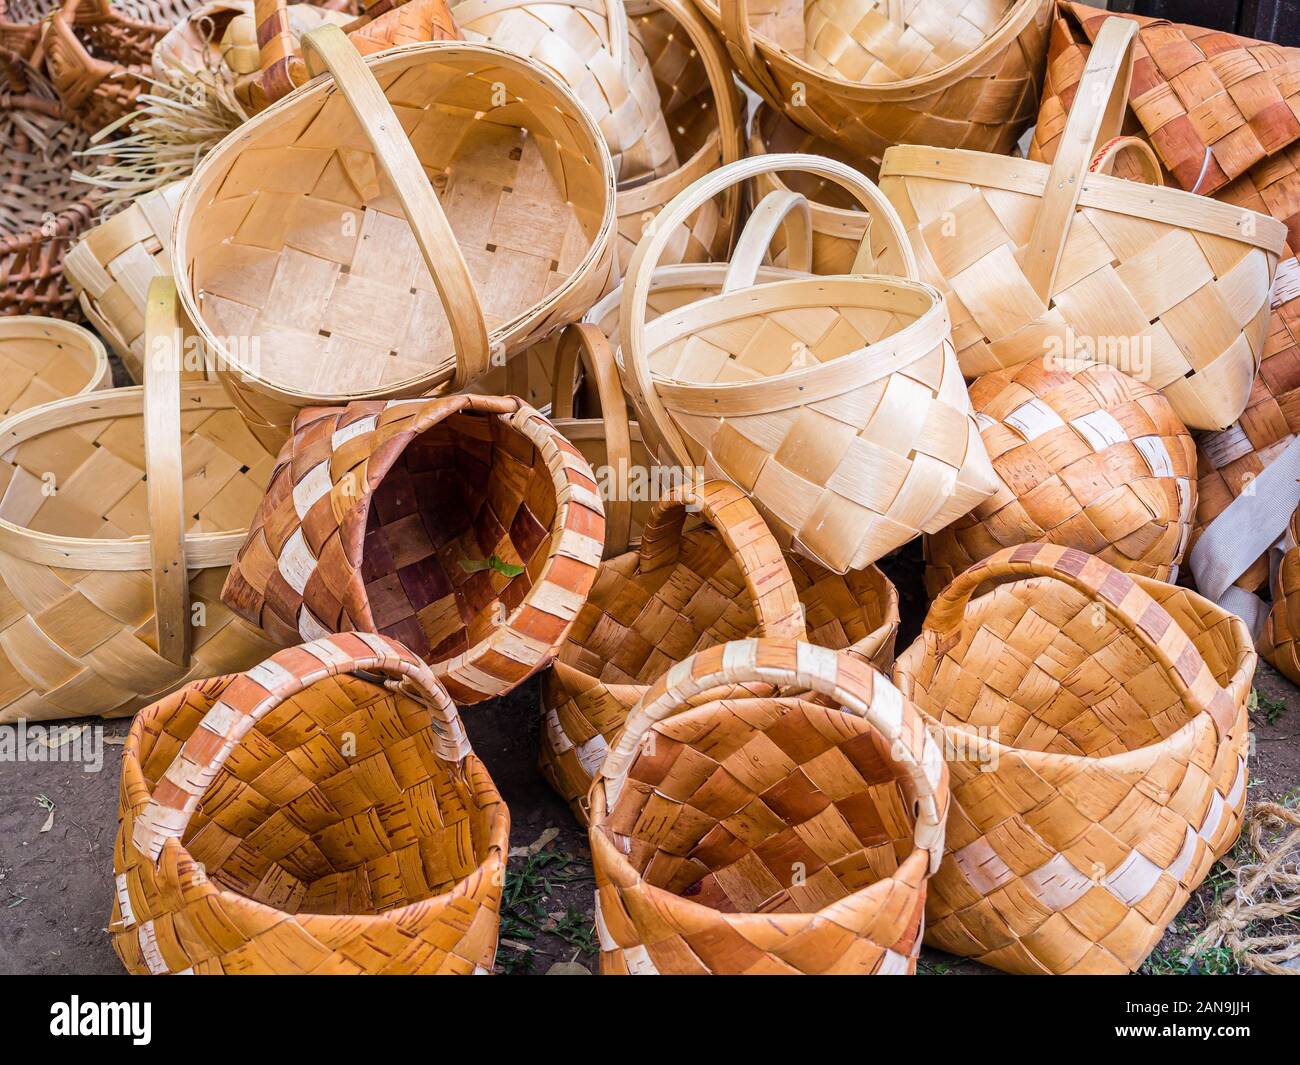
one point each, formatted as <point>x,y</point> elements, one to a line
<point>894,74</point>
<point>45,359</point>
<point>220,869</point>
<point>464,526</point>
<point>685,589</point>
<point>835,402</point>
<point>294,236</point>
<point>121,511</point>
<point>1036,258</point>
<point>840,808</point>
<point>1096,732</point>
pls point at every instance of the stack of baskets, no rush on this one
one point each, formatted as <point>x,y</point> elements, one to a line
<point>492,344</point>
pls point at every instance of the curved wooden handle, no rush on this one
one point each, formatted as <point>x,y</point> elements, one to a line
<point>1123,600</point>
<point>165,482</point>
<point>640,272</point>
<point>420,204</point>
<point>585,341</point>
<point>1096,116</point>
<point>854,686</point>
<point>762,566</point>
<point>252,695</point>
<point>1148,162</point>
<point>779,207</point>
<point>744,53</point>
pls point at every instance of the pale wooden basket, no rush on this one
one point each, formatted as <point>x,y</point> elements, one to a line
<point>835,402</point>
<point>1037,259</point>
<point>1096,732</point>
<point>45,359</point>
<point>111,582</point>
<point>914,73</point>
<point>314,238</point>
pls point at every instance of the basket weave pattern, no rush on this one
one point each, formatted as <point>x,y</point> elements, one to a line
<point>1114,776</point>
<point>295,858</point>
<point>1088,457</point>
<point>44,359</point>
<point>465,527</point>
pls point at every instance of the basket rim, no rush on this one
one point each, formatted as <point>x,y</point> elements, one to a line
<point>323,85</point>
<point>1115,195</point>
<point>927,331</point>
<point>133,783</point>
<point>1013,22</point>
<point>100,372</point>
<point>203,550</point>
<point>1182,738</point>
<point>845,219</point>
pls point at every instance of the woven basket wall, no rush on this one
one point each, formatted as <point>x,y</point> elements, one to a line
<point>873,84</point>
<point>44,359</point>
<point>1087,457</point>
<point>587,45</point>
<point>389,860</point>
<point>760,835</point>
<point>1096,731</point>
<point>1034,257</point>
<point>80,631</point>
<point>465,527</point>
<point>1279,643</point>
<point>681,593</point>
<point>292,238</point>
<point>836,403</point>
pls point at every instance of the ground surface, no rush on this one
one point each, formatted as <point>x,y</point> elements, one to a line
<point>56,885</point>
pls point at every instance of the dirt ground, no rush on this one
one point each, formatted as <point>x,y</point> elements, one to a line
<point>56,885</point>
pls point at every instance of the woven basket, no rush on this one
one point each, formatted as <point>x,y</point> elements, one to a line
<point>1280,641</point>
<point>293,236</point>
<point>304,818</point>
<point>42,210</point>
<point>835,402</point>
<point>682,591</point>
<point>1040,260</point>
<point>97,60</point>
<point>111,267</point>
<point>1088,458</point>
<point>702,108</point>
<point>764,835</point>
<point>44,359</point>
<point>110,581</point>
<point>1095,729</point>
<point>916,73</point>
<point>387,24</point>
<point>587,46</point>
<point>465,527</point>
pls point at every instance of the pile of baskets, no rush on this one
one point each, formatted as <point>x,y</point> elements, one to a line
<point>494,342</point>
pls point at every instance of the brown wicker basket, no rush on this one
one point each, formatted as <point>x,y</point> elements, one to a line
<point>837,403</point>
<point>110,582</point>
<point>756,834</point>
<point>1087,457</point>
<point>1035,257</point>
<point>44,359</point>
<point>466,527</point>
<point>42,209</point>
<point>686,589</point>
<point>918,73</point>
<point>1280,641</point>
<point>1095,727</point>
<point>308,817</point>
<point>319,265</point>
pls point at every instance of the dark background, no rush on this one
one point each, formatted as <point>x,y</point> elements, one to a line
<point>1266,20</point>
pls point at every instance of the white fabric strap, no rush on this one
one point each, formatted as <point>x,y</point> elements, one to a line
<point>1248,526</point>
<point>1248,606</point>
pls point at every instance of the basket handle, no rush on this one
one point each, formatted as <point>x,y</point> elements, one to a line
<point>744,52</point>
<point>250,696</point>
<point>856,688</point>
<point>165,482</point>
<point>641,269</point>
<point>1096,116</point>
<point>1123,599</point>
<point>779,207</point>
<point>420,204</point>
<point>762,565</point>
<point>586,342</point>
<point>1104,161</point>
